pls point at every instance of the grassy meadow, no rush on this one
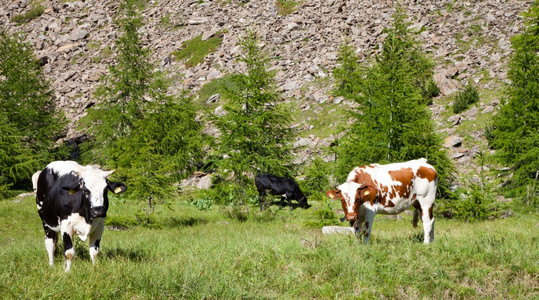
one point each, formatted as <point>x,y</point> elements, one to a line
<point>205,254</point>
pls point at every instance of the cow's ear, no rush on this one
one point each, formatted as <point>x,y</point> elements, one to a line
<point>333,194</point>
<point>107,173</point>
<point>117,187</point>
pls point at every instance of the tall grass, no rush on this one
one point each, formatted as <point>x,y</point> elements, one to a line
<point>204,255</point>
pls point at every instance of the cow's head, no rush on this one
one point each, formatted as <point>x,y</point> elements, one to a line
<point>94,185</point>
<point>352,195</point>
<point>303,202</point>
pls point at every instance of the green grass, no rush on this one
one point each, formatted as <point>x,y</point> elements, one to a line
<point>204,255</point>
<point>34,12</point>
<point>216,86</point>
<point>286,7</point>
<point>196,49</point>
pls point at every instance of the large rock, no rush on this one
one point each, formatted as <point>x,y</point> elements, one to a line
<point>337,229</point>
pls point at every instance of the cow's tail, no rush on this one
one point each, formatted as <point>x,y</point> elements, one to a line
<point>416,217</point>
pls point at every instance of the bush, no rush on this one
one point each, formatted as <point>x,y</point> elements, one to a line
<point>324,216</point>
<point>471,204</point>
<point>465,98</point>
<point>316,177</point>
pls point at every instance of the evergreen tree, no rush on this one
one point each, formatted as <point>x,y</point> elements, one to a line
<point>30,122</point>
<point>125,90</point>
<point>393,122</point>
<point>515,129</point>
<point>255,133</point>
<point>150,137</point>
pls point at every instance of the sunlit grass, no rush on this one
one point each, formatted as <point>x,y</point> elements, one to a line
<point>217,257</point>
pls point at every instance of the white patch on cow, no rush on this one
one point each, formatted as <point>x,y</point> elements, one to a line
<point>75,223</point>
<point>69,254</point>
<point>93,254</point>
<point>95,181</point>
<point>34,180</point>
<point>49,245</point>
<point>62,168</point>
<point>56,228</point>
<point>349,191</point>
<point>39,205</point>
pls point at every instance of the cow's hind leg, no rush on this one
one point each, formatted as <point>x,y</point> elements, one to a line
<point>428,223</point>
<point>95,238</point>
<point>51,237</point>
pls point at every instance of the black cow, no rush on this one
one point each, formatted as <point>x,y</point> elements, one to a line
<point>276,185</point>
<point>72,199</point>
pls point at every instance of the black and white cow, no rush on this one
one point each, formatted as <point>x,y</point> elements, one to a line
<point>286,187</point>
<point>72,199</point>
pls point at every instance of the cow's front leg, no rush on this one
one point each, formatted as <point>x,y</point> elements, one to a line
<point>95,237</point>
<point>67,237</point>
<point>289,199</point>
<point>367,226</point>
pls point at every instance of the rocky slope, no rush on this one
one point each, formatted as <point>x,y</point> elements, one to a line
<point>469,40</point>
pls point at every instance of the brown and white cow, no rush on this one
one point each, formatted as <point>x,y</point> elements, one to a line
<point>388,189</point>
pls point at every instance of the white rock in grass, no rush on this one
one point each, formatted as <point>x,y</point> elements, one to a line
<point>337,229</point>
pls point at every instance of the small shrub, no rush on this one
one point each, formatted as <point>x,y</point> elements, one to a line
<point>465,98</point>
<point>471,204</point>
<point>34,12</point>
<point>204,203</point>
<point>324,216</point>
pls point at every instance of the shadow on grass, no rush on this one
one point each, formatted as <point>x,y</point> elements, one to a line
<point>184,222</point>
<point>135,255</point>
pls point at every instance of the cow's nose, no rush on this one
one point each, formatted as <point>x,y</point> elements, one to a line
<point>97,212</point>
<point>351,217</point>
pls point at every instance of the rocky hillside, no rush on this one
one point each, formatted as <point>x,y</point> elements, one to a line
<point>469,40</point>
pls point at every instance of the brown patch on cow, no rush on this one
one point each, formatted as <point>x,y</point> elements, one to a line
<point>367,193</point>
<point>427,173</point>
<point>405,177</point>
<point>390,204</point>
<point>430,212</point>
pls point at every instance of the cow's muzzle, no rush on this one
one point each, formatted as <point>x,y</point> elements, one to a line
<point>97,212</point>
<point>350,217</point>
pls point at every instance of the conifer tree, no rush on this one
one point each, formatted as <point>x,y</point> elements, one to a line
<point>124,92</point>
<point>393,122</point>
<point>255,133</point>
<point>515,129</point>
<point>30,122</point>
<point>151,138</point>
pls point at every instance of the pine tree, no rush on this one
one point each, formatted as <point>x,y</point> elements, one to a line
<point>30,121</point>
<point>151,138</point>
<point>255,133</point>
<point>393,122</point>
<point>125,90</point>
<point>515,129</point>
